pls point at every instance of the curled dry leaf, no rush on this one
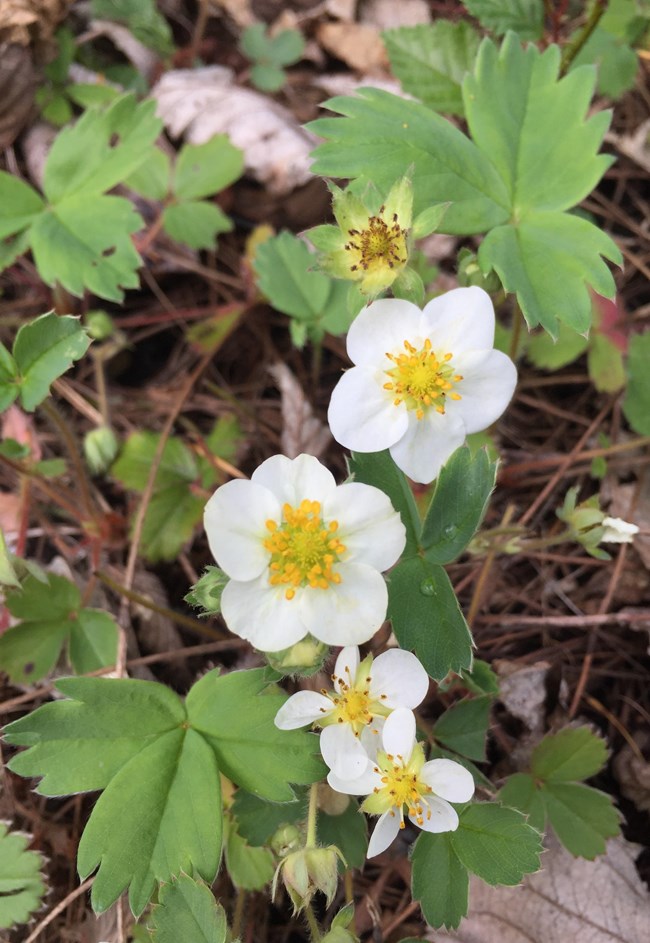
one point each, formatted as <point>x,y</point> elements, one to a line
<point>601,901</point>
<point>359,45</point>
<point>31,22</point>
<point>301,430</point>
<point>199,103</point>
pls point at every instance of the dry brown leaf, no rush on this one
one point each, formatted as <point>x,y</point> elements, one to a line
<point>386,14</point>
<point>301,430</point>
<point>636,146</point>
<point>18,80</point>
<point>31,22</point>
<point>199,103</point>
<point>522,690</point>
<point>601,901</point>
<point>359,45</point>
<point>633,772</point>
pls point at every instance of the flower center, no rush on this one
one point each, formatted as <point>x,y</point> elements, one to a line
<point>401,787</point>
<point>354,703</point>
<point>421,379</point>
<point>381,243</point>
<point>303,549</point>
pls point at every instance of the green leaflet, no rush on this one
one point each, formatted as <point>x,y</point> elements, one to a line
<point>21,883</point>
<point>636,404</point>
<point>524,17</point>
<point>439,881</point>
<point>187,911</point>
<point>249,867</point>
<point>463,727</point>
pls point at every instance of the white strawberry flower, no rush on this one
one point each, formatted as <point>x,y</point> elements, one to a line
<point>352,714</point>
<point>421,380</point>
<point>304,555</point>
<point>399,779</point>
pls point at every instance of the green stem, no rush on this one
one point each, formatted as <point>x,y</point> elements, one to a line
<point>314,930</point>
<point>572,50</point>
<point>312,817</point>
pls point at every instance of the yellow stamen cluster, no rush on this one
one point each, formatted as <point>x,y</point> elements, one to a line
<point>380,243</point>
<point>421,378</point>
<point>401,788</point>
<point>304,550</point>
<point>354,704</point>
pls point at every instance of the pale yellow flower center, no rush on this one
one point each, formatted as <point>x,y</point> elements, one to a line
<point>401,787</point>
<point>304,549</point>
<point>380,244</point>
<point>354,703</point>
<point>422,378</point>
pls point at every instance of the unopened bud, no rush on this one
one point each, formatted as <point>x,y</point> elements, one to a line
<point>100,448</point>
<point>301,660</point>
<point>306,871</point>
<point>285,840</point>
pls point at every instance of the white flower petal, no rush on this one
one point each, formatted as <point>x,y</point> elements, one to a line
<point>384,834</point>
<point>347,662</point>
<point>400,676</point>
<point>361,414</point>
<point>369,526</point>
<point>382,327</point>
<point>235,524</point>
<point>371,737</point>
<point>443,817</point>
<point>489,380</point>
<point>427,444</point>
<point>342,752</point>
<point>618,531</point>
<point>351,611</point>
<point>448,779</point>
<point>399,733</point>
<point>260,613</point>
<point>292,480</point>
<point>302,708</point>
<point>459,320</point>
<point>361,786</point>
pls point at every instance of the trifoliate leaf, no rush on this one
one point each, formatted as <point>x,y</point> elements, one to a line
<point>636,404</point>
<point>524,17</point>
<point>249,868</point>
<point>52,617</point>
<point>249,747</point>
<point>572,754</point>
<point>187,911</point>
<point>458,504</point>
<point>196,223</point>
<point>204,169</point>
<point>21,882</point>
<point>463,727</point>
<point>431,60</point>
<point>43,350</point>
<point>496,843</point>
<point>581,817</point>
<point>440,881</point>
<point>426,617</point>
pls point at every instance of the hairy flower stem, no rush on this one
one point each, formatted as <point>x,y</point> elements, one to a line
<point>314,930</point>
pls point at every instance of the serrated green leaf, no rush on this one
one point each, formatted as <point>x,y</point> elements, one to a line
<point>496,843</point>
<point>524,17</point>
<point>549,354</point>
<point>257,818</point>
<point>101,149</point>
<point>636,404</point>
<point>78,745</point>
<point>169,523</point>
<point>249,747</point>
<point>520,792</point>
<point>440,881</point>
<point>30,650</point>
<point>616,61</point>
<point>605,364</point>
<point>573,753</point>
<point>463,727</point>
<point>458,504</point>
<point>143,19</point>
<point>8,378</point>
<point>348,832</point>
<point>249,867</point>
<point>159,815</point>
<point>92,94</point>
<point>581,817</point>
<point>426,617</point>
<point>383,132</point>
<point>379,470</point>
<point>132,468</point>
<point>92,642</point>
<point>431,60</point>
<point>480,679</point>
<point>204,169</point>
<point>21,883</point>
<point>196,223</point>
<point>546,261</point>
<point>43,350</point>
<point>153,178</point>
<point>187,911</point>
<point>20,204</point>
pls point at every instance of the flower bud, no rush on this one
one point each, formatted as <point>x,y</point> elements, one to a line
<point>306,871</point>
<point>100,448</point>
<point>301,660</point>
<point>285,840</point>
<point>99,325</point>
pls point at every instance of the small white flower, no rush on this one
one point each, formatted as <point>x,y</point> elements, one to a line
<point>421,380</point>
<point>618,531</point>
<point>304,555</point>
<point>352,715</point>
<point>400,779</point>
